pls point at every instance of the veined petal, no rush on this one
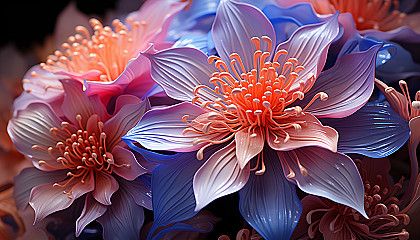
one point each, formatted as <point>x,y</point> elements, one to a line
<point>309,45</point>
<point>139,191</point>
<point>348,85</point>
<point>105,186</point>
<point>46,199</point>
<point>162,129</point>
<point>31,126</point>
<point>91,211</point>
<point>312,133</point>
<point>130,169</point>
<point>320,172</point>
<point>269,203</point>
<point>235,24</point>
<point>219,176</point>
<point>375,131</point>
<point>126,118</point>
<point>248,145</point>
<point>179,70</point>
<point>32,177</point>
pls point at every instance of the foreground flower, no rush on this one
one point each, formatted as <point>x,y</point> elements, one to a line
<point>107,61</point>
<point>81,155</point>
<point>247,110</point>
<point>324,219</point>
<point>385,19</point>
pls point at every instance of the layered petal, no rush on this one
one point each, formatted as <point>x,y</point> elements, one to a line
<point>139,191</point>
<point>105,186</point>
<point>313,133</point>
<point>309,45</point>
<point>375,131</point>
<point>235,24</point>
<point>46,198</point>
<point>269,203</point>
<point>320,172</point>
<point>162,129</point>
<point>248,145</point>
<point>91,211</point>
<point>130,168</point>
<point>179,70</point>
<point>348,85</point>
<point>401,34</point>
<point>219,176</point>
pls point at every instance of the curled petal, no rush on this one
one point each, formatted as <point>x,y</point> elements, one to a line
<point>130,168</point>
<point>105,186</point>
<point>248,146</point>
<point>91,211</point>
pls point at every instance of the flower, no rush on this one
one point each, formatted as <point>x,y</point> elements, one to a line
<point>81,155</point>
<point>387,215</point>
<point>248,108</point>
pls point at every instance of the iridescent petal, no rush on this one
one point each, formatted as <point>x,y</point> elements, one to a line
<point>248,146</point>
<point>91,211</point>
<point>269,203</point>
<point>105,186</point>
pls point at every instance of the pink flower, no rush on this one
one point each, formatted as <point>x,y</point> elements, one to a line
<point>80,154</point>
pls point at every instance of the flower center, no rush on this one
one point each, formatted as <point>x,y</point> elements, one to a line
<point>79,150</point>
<point>105,51</point>
<point>372,14</point>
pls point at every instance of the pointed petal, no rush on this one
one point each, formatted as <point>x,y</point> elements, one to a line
<point>29,178</point>
<point>31,126</point>
<point>326,174</point>
<point>248,146</point>
<point>91,211</point>
<point>313,133</point>
<point>375,131</point>
<point>105,186</point>
<point>179,70</point>
<point>130,169</point>
<point>126,118</point>
<point>234,26</point>
<point>46,199</point>
<point>139,191</point>
<point>219,176</point>
<point>124,218</point>
<point>309,45</point>
<point>269,203</point>
<point>162,129</point>
<point>348,85</point>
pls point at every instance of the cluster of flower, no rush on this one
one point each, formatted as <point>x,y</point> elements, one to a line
<point>184,102</point>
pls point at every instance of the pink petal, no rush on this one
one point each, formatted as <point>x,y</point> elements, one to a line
<point>126,118</point>
<point>91,211</point>
<point>415,131</point>
<point>396,100</point>
<point>312,133</point>
<point>131,169</point>
<point>219,176</point>
<point>46,199</point>
<point>309,45</point>
<point>105,186</point>
<point>248,145</point>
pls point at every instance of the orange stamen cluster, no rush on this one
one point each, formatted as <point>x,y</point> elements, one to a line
<point>372,14</point>
<point>106,51</point>
<point>80,151</point>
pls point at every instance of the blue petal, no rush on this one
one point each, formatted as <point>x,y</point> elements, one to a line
<point>180,227</point>
<point>194,40</point>
<point>375,131</point>
<point>172,190</point>
<point>286,20</point>
<point>269,203</point>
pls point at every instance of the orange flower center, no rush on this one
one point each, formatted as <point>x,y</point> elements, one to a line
<point>105,51</point>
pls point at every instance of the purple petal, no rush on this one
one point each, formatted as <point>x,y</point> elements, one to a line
<point>234,26</point>
<point>29,178</point>
<point>326,174</point>
<point>348,85</point>
<point>179,70</point>
<point>248,147</point>
<point>130,168</point>
<point>126,118</point>
<point>46,199</point>
<point>105,186</point>
<point>375,131</point>
<point>219,176</point>
<point>91,211</point>
<point>309,45</point>
<point>269,203</point>
<point>401,34</point>
<point>124,218</point>
<point>139,191</point>
<point>161,129</point>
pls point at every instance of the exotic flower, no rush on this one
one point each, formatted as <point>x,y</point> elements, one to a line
<point>80,154</point>
<point>387,215</point>
<point>258,107</point>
